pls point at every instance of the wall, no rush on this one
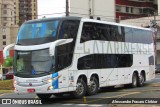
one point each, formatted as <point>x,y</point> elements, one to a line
<point>99,8</point>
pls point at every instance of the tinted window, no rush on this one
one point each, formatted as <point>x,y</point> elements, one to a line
<point>69,29</point>
<point>128,34</point>
<point>97,31</point>
<point>99,61</point>
<point>105,32</point>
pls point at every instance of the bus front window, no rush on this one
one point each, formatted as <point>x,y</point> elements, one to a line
<point>41,32</point>
<point>34,63</point>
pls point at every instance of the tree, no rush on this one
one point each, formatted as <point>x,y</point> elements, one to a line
<point>8,62</point>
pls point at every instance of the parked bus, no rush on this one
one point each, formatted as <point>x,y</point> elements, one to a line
<point>79,55</point>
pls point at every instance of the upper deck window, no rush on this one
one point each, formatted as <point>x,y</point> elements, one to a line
<point>42,32</point>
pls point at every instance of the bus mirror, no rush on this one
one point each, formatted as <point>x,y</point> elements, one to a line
<point>6,49</point>
<point>57,43</point>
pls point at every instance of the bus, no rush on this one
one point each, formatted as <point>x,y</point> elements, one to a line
<point>53,56</point>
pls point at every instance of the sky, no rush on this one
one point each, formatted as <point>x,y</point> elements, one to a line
<point>51,8</point>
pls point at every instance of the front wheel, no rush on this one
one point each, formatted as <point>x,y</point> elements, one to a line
<point>93,86</point>
<point>80,89</point>
<point>44,96</point>
<point>141,80</point>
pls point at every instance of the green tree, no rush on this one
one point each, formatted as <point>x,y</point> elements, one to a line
<point>8,62</point>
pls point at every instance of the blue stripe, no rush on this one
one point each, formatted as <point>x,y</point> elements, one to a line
<point>55,82</point>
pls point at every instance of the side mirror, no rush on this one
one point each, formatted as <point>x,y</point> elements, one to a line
<point>57,43</point>
<point>6,49</point>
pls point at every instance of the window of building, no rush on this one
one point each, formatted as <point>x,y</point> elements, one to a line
<point>4,42</point>
<point>4,18</point>
<point>131,9</point>
<point>5,5</point>
<point>118,8</point>
<point>4,24</point>
<point>4,36</point>
<point>4,11</point>
<point>140,11</point>
<point>127,9</point>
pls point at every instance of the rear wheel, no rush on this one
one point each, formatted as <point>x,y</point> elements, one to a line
<point>80,89</point>
<point>141,80</point>
<point>92,88</point>
<point>134,80</point>
<point>44,96</point>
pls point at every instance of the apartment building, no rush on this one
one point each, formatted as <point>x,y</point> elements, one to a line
<point>26,10</point>
<point>129,9</point>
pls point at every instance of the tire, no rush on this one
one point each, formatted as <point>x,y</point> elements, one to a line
<point>44,96</point>
<point>141,80</point>
<point>134,80</point>
<point>58,94</point>
<point>80,89</point>
<point>93,87</point>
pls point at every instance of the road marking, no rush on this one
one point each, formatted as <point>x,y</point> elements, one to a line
<point>81,104</point>
<point>67,104</point>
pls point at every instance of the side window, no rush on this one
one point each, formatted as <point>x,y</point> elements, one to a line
<point>137,36</point>
<point>69,29</point>
<point>128,34</point>
<point>98,31</point>
<point>88,32</point>
<point>148,37</point>
<point>100,61</point>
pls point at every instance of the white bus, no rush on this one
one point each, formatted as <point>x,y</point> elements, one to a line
<point>79,55</point>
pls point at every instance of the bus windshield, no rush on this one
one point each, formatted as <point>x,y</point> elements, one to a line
<point>33,63</point>
<point>42,32</point>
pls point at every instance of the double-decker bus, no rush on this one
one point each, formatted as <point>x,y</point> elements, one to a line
<point>80,55</point>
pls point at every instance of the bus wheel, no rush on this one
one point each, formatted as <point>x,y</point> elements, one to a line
<point>93,87</point>
<point>80,89</point>
<point>58,94</point>
<point>134,80</point>
<point>44,96</point>
<point>141,80</point>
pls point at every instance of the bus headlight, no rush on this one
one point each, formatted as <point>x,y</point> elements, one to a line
<point>49,80</point>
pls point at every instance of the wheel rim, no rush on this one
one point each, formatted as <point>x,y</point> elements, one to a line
<point>141,79</point>
<point>80,88</point>
<point>92,86</point>
<point>134,81</point>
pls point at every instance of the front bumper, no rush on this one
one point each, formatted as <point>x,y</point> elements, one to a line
<point>38,89</point>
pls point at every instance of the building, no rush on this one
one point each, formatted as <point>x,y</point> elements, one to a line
<point>105,9</point>
<point>145,22</point>
<point>8,29</point>
<point>129,9</point>
<point>26,10</point>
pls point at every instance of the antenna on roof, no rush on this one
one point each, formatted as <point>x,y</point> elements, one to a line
<point>91,17</point>
<point>98,18</point>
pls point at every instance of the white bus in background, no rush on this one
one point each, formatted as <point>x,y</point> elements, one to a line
<point>79,55</point>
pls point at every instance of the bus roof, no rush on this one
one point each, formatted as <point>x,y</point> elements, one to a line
<point>112,23</point>
<point>86,20</point>
<point>54,18</point>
